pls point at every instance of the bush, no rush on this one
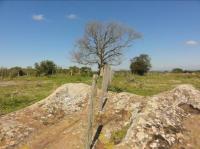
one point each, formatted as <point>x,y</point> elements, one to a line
<point>46,68</point>
<point>140,64</point>
<point>177,70</point>
<point>16,71</point>
<point>86,71</point>
<point>74,70</point>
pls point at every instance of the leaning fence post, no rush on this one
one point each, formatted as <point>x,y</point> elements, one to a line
<point>105,83</point>
<point>91,113</point>
<point>107,75</point>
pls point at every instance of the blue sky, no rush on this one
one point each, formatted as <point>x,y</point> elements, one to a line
<point>31,31</point>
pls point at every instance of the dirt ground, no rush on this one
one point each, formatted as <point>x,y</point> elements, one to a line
<point>67,133</point>
<point>62,135</point>
<point>7,83</point>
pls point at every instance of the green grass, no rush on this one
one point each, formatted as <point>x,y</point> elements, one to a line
<point>23,91</point>
<point>152,83</point>
<point>117,136</point>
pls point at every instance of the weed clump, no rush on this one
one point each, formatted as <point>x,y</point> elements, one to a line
<point>117,136</point>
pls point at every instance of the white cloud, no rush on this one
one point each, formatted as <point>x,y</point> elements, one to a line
<point>38,17</point>
<point>72,16</point>
<point>192,42</point>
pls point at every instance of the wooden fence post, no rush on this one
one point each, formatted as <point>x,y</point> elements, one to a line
<point>107,75</point>
<point>91,113</point>
<point>105,82</point>
<point>71,72</point>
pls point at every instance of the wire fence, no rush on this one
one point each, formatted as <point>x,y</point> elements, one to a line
<point>91,137</point>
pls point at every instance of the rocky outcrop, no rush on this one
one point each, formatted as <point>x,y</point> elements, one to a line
<point>69,99</point>
<point>152,122</point>
<point>17,126</point>
<point>160,124</point>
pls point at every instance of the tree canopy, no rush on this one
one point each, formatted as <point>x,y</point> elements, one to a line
<point>140,64</point>
<point>103,43</point>
<point>45,67</point>
<point>177,70</point>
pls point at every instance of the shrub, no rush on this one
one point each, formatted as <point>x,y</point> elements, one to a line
<point>16,71</point>
<point>46,68</point>
<point>140,64</point>
<point>177,70</point>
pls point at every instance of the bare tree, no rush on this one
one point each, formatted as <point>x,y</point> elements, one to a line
<point>103,44</point>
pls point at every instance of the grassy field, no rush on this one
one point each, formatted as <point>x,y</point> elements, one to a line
<point>23,91</point>
<point>153,83</point>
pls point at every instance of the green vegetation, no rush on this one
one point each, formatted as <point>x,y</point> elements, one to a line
<point>107,143</point>
<point>177,70</point>
<point>140,64</point>
<point>117,136</point>
<point>152,83</point>
<point>45,68</point>
<point>22,91</point>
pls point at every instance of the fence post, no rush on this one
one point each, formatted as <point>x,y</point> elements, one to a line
<point>71,72</point>
<point>107,75</point>
<point>91,113</point>
<point>105,82</point>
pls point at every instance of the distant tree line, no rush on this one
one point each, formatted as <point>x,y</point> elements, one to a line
<point>141,65</point>
<point>43,68</point>
<point>180,70</point>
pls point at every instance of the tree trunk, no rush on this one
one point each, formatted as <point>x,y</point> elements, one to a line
<point>100,69</point>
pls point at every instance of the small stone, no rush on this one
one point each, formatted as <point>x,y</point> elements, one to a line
<point>11,143</point>
<point>26,133</point>
<point>189,145</point>
<point>108,134</point>
<point>141,136</point>
<point>153,145</point>
<point>10,134</point>
<point>49,115</point>
<point>179,135</point>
